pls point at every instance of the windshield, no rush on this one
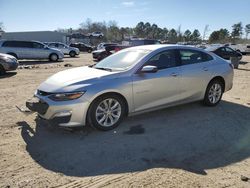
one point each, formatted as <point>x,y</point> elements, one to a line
<point>122,60</point>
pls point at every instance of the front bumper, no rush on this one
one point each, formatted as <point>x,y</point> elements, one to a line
<point>64,113</point>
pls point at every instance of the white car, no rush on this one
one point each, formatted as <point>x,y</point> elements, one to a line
<point>65,49</point>
<point>97,34</point>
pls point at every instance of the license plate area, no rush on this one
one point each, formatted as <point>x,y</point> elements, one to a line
<point>37,105</point>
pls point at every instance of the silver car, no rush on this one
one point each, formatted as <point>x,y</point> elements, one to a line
<point>7,63</point>
<point>29,50</point>
<point>132,81</point>
<point>65,49</point>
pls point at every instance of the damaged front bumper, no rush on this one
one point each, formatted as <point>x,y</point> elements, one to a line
<point>65,113</point>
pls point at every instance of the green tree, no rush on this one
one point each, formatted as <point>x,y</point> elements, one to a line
<point>172,36</point>
<point>139,29</point>
<point>237,31</point>
<point>187,35</point>
<point>1,27</point>
<point>247,30</point>
<point>196,36</point>
<point>220,36</point>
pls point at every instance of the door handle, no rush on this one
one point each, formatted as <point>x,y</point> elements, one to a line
<point>174,74</point>
<point>205,68</point>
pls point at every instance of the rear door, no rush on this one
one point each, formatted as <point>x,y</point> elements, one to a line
<point>195,73</point>
<point>39,51</point>
<point>159,88</point>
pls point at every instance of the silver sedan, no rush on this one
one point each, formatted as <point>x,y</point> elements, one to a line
<point>132,81</point>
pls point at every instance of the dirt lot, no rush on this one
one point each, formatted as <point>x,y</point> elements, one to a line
<point>185,146</point>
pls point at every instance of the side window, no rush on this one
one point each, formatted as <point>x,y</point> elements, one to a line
<point>52,45</point>
<point>25,44</point>
<point>229,50</point>
<point>163,60</point>
<point>37,45</point>
<point>192,57</point>
<point>10,44</point>
<point>60,46</point>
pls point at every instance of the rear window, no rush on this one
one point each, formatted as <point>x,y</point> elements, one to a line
<point>193,57</point>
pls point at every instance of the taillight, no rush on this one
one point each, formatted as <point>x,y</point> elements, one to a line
<point>117,49</point>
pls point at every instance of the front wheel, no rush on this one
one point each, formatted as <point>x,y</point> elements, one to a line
<point>106,112</point>
<point>213,93</point>
<point>72,54</point>
<point>53,57</point>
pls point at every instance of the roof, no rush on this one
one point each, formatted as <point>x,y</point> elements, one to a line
<point>160,46</point>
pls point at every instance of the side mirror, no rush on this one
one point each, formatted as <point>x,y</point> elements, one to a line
<point>46,47</point>
<point>149,69</point>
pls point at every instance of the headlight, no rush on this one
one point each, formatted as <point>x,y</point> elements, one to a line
<point>66,96</point>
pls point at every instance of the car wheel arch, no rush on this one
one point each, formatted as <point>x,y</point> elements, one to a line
<point>220,78</point>
<point>105,94</point>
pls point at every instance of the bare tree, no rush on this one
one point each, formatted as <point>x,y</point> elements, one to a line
<point>206,30</point>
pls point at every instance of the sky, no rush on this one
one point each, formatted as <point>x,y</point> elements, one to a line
<point>40,15</point>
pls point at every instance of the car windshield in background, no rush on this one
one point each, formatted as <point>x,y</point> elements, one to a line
<point>121,61</point>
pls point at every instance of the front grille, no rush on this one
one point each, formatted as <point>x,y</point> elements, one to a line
<point>41,107</point>
<point>43,93</point>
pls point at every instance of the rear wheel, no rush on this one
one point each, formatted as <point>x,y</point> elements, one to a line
<point>214,93</point>
<point>106,112</point>
<point>72,54</point>
<point>53,57</point>
<point>2,70</point>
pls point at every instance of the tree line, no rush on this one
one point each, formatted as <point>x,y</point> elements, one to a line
<point>112,32</point>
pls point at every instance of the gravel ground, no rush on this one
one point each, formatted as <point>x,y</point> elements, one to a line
<point>184,146</point>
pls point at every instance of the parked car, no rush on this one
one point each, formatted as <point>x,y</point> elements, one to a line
<point>65,49</point>
<point>242,48</point>
<point>82,47</point>
<point>103,45</point>
<point>132,81</point>
<point>226,53</point>
<point>29,50</point>
<point>7,63</point>
<point>97,34</point>
<point>107,51</point>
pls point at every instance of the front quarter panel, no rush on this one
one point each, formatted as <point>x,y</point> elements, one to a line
<point>121,85</point>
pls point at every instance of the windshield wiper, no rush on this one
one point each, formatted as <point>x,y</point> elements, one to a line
<point>103,68</point>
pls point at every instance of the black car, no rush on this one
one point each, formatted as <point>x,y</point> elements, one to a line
<point>107,51</point>
<point>82,47</point>
<point>226,53</point>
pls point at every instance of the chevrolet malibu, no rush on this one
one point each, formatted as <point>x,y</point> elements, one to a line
<point>132,81</point>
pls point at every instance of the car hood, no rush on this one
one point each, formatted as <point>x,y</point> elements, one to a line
<point>6,56</point>
<point>73,79</point>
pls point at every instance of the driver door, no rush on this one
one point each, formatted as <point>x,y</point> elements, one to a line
<point>160,88</point>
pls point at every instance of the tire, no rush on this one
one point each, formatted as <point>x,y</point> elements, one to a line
<point>100,112</point>
<point>13,54</point>
<point>2,70</point>
<point>72,53</point>
<point>213,93</point>
<point>89,51</point>
<point>53,57</point>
